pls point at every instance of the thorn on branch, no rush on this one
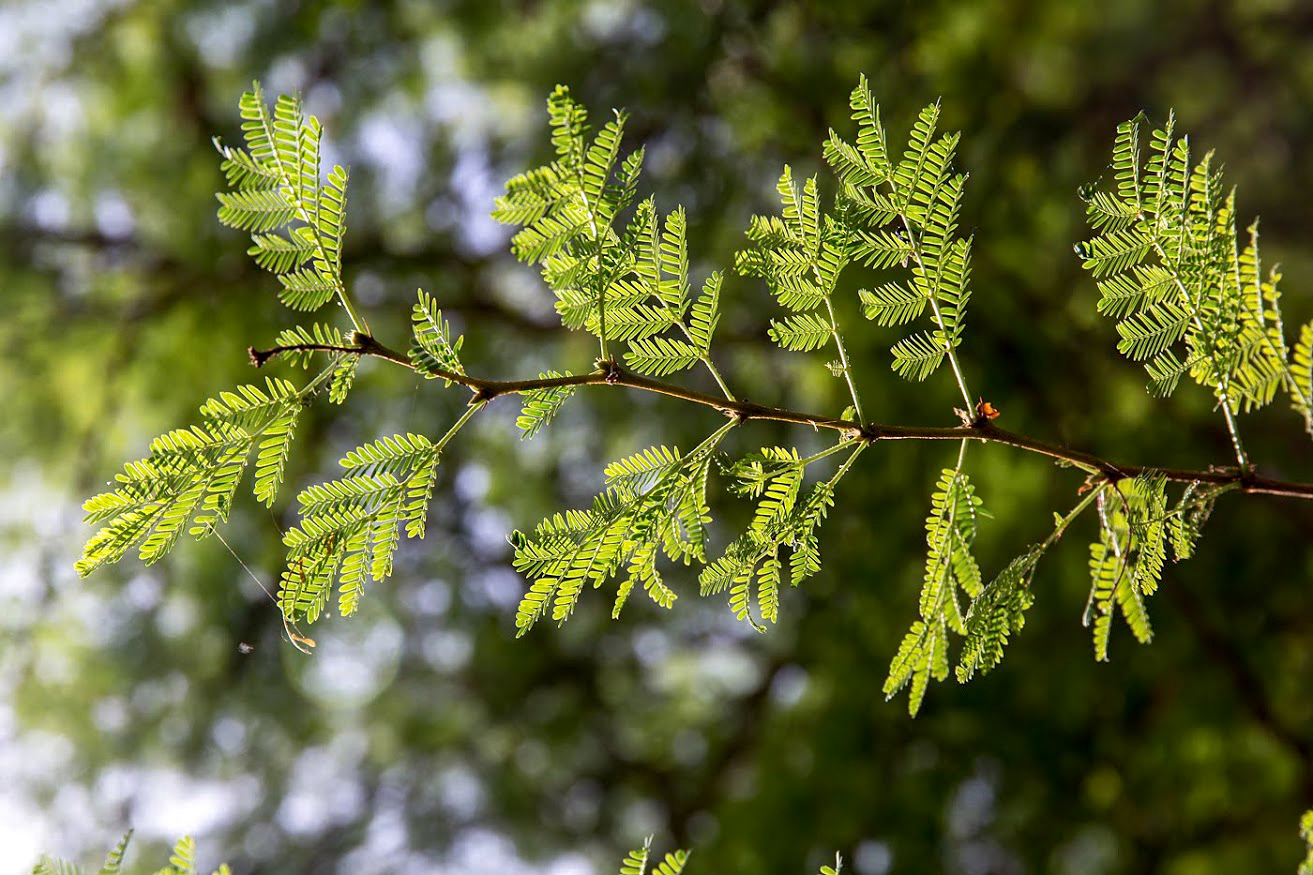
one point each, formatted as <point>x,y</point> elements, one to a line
<point>260,356</point>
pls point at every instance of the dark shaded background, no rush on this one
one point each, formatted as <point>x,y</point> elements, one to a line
<point>422,736</point>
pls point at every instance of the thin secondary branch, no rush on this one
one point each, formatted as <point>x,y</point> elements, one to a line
<point>845,444</point>
<point>706,360</point>
<point>934,309</point>
<point>848,462</point>
<point>1071,516</point>
<point>843,361</point>
<point>459,424</point>
<point>982,428</point>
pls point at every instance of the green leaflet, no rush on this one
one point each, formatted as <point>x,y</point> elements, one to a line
<point>1301,376</point>
<point>998,613</point>
<point>542,405</point>
<point>643,470</point>
<point>343,377</point>
<point>636,861</point>
<point>705,315</point>
<point>919,355</point>
<point>654,503</point>
<point>906,214</point>
<point>249,406</point>
<point>1126,562</point>
<point>892,304</point>
<point>1189,516</point>
<point>951,572</point>
<point>349,528</point>
<point>1306,833</point>
<point>114,860</point>
<point>802,332</point>
<point>432,349</point>
<point>183,858</point>
<point>881,248</point>
<point>660,356</point>
<point>276,186</point>
<point>271,457</point>
<point>1172,269</point>
<point>189,480</point>
<point>922,654</point>
<point>316,333</point>
<point>672,864</point>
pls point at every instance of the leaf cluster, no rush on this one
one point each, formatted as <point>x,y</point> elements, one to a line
<point>654,504</point>
<point>191,476</point>
<point>1188,291</point>
<point>296,219</point>
<point>784,517</point>
<point>182,861</point>
<point>951,573</point>
<point>1136,526</point>
<point>625,282</point>
<point>350,527</point>
<point>905,212</point>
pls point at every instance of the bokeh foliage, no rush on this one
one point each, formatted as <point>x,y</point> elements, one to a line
<point>422,731</point>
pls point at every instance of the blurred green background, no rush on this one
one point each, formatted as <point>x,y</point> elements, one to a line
<point>422,736</point>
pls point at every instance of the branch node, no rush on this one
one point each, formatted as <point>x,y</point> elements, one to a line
<point>982,418</point>
<point>259,357</point>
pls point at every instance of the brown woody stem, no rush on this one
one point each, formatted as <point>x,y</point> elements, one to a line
<point>611,373</point>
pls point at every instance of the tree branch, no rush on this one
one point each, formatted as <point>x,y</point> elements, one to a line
<point>981,428</point>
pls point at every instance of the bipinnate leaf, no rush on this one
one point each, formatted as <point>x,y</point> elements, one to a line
<point>188,482</point>
<point>996,614</point>
<point>350,527</point>
<point>1173,270</point>
<point>654,502</point>
<point>951,573</point>
<point>277,187</point>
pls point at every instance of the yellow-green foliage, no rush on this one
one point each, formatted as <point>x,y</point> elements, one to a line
<point>1188,293</point>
